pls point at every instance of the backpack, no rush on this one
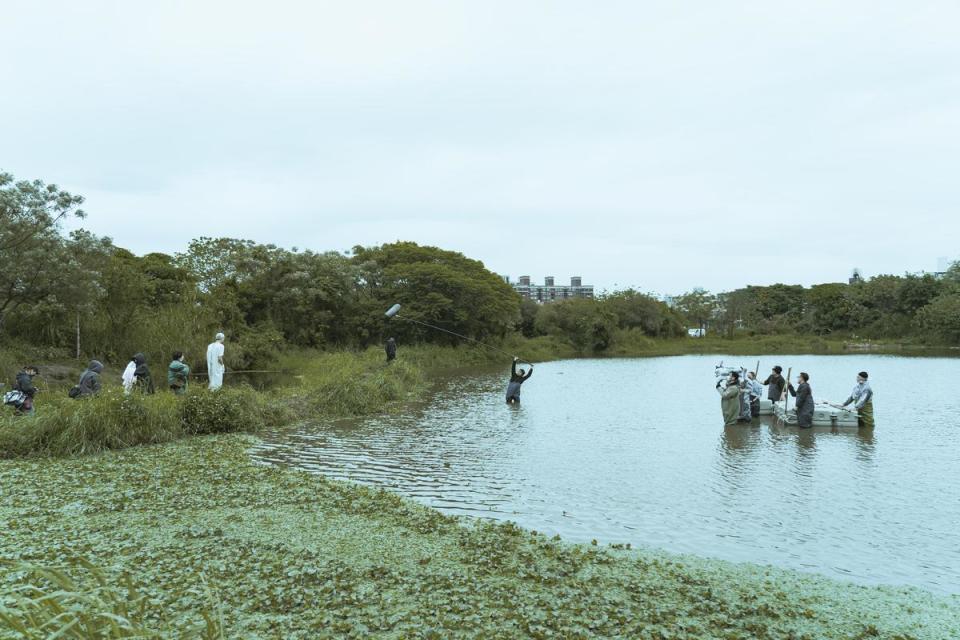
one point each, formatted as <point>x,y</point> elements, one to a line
<point>74,391</point>
<point>14,398</point>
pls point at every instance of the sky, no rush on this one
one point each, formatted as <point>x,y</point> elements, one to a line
<point>655,145</point>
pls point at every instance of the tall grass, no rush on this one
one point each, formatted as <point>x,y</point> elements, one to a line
<point>49,603</point>
<point>112,420</point>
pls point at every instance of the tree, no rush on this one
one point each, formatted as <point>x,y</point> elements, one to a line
<point>941,318</point>
<point>443,288</point>
<point>585,323</point>
<point>32,249</point>
<point>635,310</point>
<point>697,306</point>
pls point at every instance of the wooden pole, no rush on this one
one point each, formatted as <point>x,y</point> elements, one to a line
<point>78,335</point>
<point>786,394</point>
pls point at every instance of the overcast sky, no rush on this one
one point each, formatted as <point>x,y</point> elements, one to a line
<point>660,145</point>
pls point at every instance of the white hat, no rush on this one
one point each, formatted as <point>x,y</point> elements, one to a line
<point>219,336</point>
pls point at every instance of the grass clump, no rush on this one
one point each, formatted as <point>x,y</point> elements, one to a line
<point>49,603</point>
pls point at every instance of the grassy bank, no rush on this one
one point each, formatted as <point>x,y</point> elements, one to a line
<point>195,540</point>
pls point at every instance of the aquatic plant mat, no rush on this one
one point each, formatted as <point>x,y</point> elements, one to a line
<point>192,539</point>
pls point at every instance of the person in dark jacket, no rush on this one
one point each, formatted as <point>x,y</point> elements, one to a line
<point>178,374</point>
<point>391,349</point>
<point>517,378</point>
<point>775,384</point>
<point>142,381</point>
<point>804,396</point>
<point>24,384</point>
<point>89,384</point>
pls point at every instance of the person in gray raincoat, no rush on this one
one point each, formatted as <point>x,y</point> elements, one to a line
<point>516,379</point>
<point>804,395</point>
<point>730,398</point>
<point>89,384</point>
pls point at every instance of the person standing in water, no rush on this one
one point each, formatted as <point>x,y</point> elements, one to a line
<point>391,349</point>
<point>776,384</point>
<point>215,366</point>
<point>730,399</point>
<point>517,378</point>
<point>756,390</point>
<point>804,395</point>
<point>862,399</point>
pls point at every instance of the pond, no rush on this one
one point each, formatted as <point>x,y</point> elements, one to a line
<point>634,450</point>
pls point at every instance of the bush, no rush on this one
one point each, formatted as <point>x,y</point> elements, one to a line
<point>223,411</point>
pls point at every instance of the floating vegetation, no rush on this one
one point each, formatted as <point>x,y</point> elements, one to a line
<point>190,533</point>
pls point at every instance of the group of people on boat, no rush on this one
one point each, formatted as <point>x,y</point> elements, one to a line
<point>136,378</point>
<point>740,397</point>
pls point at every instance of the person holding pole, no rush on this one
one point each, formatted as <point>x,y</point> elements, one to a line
<point>805,405</point>
<point>862,399</point>
<point>517,378</point>
<point>215,367</point>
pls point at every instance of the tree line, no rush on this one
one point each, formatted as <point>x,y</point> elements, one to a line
<point>81,294</point>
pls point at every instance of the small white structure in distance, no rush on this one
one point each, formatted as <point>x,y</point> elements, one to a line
<point>696,332</point>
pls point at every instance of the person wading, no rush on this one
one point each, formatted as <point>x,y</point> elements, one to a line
<point>178,374</point>
<point>775,384</point>
<point>215,366</point>
<point>517,378</point>
<point>756,391</point>
<point>730,399</point>
<point>804,395</point>
<point>862,399</point>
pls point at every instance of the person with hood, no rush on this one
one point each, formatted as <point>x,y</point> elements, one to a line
<point>89,384</point>
<point>391,349</point>
<point>142,380</point>
<point>775,384</point>
<point>730,399</point>
<point>215,368</point>
<point>804,395</point>
<point>517,378</point>
<point>178,374</point>
<point>24,384</point>
<point>862,399</point>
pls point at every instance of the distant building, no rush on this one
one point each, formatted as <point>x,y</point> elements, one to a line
<point>855,277</point>
<point>549,291</point>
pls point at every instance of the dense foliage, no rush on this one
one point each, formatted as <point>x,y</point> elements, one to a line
<point>921,308</point>
<point>81,294</point>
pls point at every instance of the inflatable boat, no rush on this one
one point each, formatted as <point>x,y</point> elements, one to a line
<point>824,415</point>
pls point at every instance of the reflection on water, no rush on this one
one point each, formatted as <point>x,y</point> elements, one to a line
<point>635,451</point>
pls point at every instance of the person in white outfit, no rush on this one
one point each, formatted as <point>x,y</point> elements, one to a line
<point>215,366</point>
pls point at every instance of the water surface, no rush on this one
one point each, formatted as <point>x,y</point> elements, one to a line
<point>635,451</point>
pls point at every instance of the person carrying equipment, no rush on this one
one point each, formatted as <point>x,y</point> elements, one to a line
<point>20,397</point>
<point>862,399</point>
<point>517,378</point>
<point>391,348</point>
<point>178,374</point>
<point>730,399</point>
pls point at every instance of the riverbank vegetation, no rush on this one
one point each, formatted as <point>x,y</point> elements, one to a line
<point>76,295</point>
<point>192,539</point>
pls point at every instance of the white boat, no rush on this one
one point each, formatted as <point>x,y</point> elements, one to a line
<point>824,415</point>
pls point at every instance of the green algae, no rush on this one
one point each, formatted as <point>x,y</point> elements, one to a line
<point>288,554</point>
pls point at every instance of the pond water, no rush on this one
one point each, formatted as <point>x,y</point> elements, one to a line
<point>636,451</point>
